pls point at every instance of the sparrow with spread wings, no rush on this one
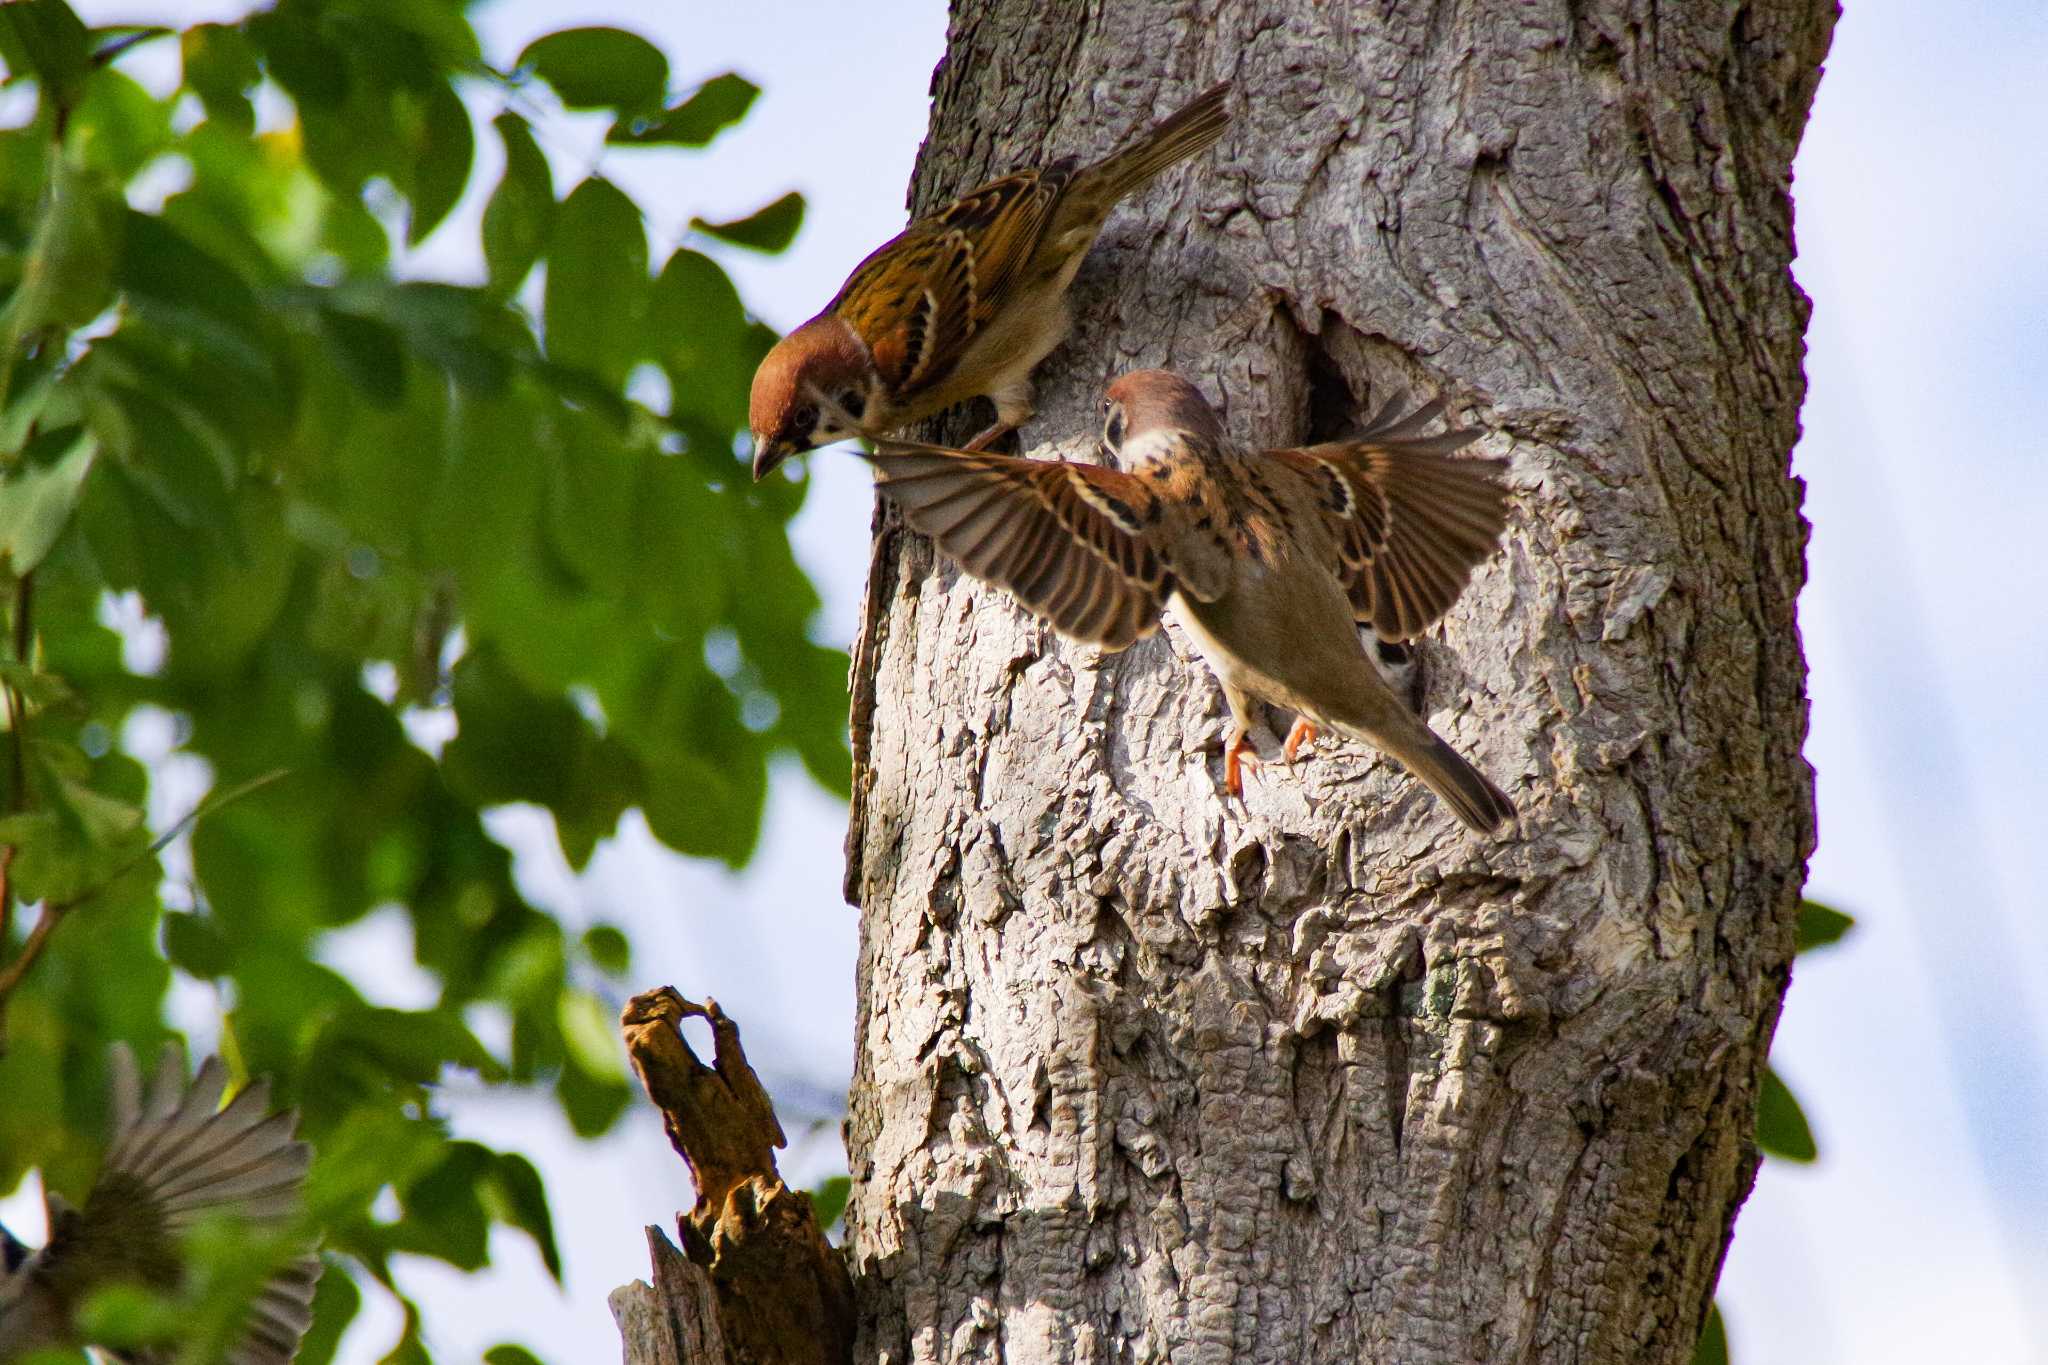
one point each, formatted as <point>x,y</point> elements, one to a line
<point>1269,560</point>
<point>178,1157</point>
<point>962,304</point>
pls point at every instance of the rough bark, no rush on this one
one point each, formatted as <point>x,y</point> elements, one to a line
<point>759,1284</point>
<point>1142,1075</point>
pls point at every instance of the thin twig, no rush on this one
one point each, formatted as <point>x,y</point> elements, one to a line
<point>53,910</point>
<point>13,972</point>
<point>17,726</point>
<point>17,705</point>
<point>6,894</point>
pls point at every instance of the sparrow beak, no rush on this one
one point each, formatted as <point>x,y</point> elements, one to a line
<point>768,453</point>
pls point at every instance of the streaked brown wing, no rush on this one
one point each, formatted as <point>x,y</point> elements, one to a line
<point>1069,541</point>
<point>920,298</point>
<point>1410,524</point>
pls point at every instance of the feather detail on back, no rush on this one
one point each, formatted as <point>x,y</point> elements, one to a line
<point>921,297</point>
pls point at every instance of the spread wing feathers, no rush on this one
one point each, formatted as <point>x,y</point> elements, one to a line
<point>921,297</point>
<point>193,1157</point>
<point>1067,540</point>
<point>178,1157</point>
<point>1410,524</point>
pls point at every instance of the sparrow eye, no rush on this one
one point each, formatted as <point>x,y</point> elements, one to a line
<point>806,417</point>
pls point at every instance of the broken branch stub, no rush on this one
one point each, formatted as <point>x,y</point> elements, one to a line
<point>757,1281</point>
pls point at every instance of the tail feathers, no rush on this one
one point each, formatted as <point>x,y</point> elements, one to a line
<point>280,1315</point>
<point>1481,805</point>
<point>1172,140</point>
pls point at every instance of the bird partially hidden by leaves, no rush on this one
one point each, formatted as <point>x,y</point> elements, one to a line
<point>177,1157</point>
<point>1268,560</point>
<point>962,304</point>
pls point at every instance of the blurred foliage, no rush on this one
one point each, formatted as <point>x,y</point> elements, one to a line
<point>1781,1127</point>
<point>828,1201</point>
<point>347,498</point>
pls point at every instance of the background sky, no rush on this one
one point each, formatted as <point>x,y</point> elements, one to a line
<point>1917,1047</point>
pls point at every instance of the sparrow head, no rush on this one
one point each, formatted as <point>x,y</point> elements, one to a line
<point>822,356</point>
<point>1150,403</point>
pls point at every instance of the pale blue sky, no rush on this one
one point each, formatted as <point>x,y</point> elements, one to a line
<point>1917,1048</point>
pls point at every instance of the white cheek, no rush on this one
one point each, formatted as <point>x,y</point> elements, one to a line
<point>1145,448</point>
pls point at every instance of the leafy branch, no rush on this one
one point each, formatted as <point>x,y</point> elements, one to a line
<point>12,974</point>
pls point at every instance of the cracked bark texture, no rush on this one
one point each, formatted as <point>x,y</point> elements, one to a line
<point>1145,1076</point>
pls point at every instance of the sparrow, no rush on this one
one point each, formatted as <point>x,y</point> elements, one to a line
<point>1268,561</point>
<point>177,1157</point>
<point>961,304</point>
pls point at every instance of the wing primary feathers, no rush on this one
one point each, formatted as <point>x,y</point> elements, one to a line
<point>179,1156</point>
<point>1065,540</point>
<point>1410,523</point>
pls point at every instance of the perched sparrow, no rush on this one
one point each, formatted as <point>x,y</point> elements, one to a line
<point>177,1157</point>
<point>963,303</point>
<point>1266,560</point>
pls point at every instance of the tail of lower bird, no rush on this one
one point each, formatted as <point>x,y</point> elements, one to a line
<point>1166,143</point>
<point>1481,805</point>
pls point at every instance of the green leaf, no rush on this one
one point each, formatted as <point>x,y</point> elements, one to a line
<point>41,690</point>
<point>77,843</point>
<point>768,229</point>
<point>609,952</point>
<point>508,1354</point>
<point>370,352</point>
<point>65,280</point>
<point>336,1301</point>
<point>600,68</point>
<point>522,1201</point>
<point>1713,1344</point>
<point>718,104</point>
<point>1819,925</point>
<point>521,211</point>
<point>39,493</point>
<point>828,1201</point>
<point>1781,1127</point>
<point>441,161</point>
<point>220,68</point>
<point>50,40</point>
<point>404,1045</point>
<point>301,59</point>
<point>597,281</point>
<point>190,289</point>
<point>513,745</point>
<point>119,126</point>
<point>589,1034</point>
<point>698,329</point>
<point>195,944</point>
<point>128,1315</point>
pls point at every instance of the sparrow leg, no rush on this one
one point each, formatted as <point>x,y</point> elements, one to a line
<point>1238,755</point>
<point>1304,732</point>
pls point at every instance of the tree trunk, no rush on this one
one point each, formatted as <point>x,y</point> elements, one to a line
<point>1146,1075</point>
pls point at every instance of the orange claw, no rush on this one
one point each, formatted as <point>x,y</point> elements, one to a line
<point>1304,732</point>
<point>1236,758</point>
